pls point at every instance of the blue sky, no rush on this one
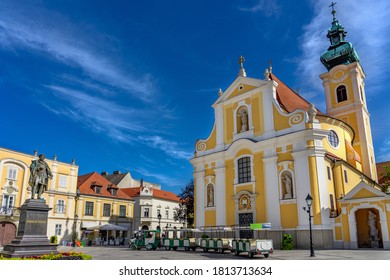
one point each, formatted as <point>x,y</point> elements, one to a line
<point>128,85</point>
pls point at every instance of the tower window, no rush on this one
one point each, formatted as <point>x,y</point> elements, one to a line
<point>244,170</point>
<point>333,139</point>
<point>341,94</point>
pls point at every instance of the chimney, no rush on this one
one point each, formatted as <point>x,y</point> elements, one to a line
<point>104,173</point>
<point>117,172</point>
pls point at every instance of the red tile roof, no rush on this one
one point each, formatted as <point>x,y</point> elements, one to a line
<point>289,99</point>
<point>156,193</point>
<point>85,183</point>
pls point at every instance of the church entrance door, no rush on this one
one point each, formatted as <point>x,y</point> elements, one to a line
<point>369,233</point>
<point>245,219</point>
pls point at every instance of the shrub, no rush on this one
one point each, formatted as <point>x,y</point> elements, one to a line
<point>54,239</point>
<point>287,243</point>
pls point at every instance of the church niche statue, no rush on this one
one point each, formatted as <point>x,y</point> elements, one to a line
<point>287,184</point>
<point>244,119</point>
<point>210,195</point>
<point>374,237</point>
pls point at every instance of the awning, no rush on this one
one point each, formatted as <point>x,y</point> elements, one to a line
<point>109,227</point>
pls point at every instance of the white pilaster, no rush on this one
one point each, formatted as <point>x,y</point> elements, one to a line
<point>272,191</point>
<point>323,189</point>
<point>302,179</point>
<point>200,198</point>
<point>269,95</point>
<point>54,168</point>
<point>219,126</point>
<point>325,83</point>
<point>70,207</point>
<point>220,195</point>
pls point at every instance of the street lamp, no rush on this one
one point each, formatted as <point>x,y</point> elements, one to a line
<point>309,202</point>
<point>159,219</point>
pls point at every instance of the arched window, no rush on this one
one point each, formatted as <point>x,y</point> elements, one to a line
<point>333,139</point>
<point>341,94</point>
<point>244,170</point>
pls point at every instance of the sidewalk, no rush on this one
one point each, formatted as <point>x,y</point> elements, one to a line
<point>124,253</point>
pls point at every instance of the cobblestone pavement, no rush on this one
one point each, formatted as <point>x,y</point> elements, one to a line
<point>124,253</point>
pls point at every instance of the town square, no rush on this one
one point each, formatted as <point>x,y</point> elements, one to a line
<point>239,131</point>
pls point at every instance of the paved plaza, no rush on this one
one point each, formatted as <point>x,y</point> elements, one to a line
<point>124,253</point>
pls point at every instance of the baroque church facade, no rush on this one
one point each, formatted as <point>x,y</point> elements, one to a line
<point>269,148</point>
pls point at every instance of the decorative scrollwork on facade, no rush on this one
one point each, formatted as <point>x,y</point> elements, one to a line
<point>295,119</point>
<point>201,146</point>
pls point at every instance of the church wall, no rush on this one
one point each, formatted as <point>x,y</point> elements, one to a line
<point>351,119</point>
<point>210,218</point>
<point>340,150</point>
<point>289,215</point>
<point>258,123</point>
<point>211,142</point>
<point>341,81</point>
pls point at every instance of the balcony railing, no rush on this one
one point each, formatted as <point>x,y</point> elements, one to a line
<point>9,211</point>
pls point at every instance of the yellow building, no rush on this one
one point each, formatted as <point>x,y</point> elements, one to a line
<point>60,196</point>
<point>269,148</point>
<point>104,212</point>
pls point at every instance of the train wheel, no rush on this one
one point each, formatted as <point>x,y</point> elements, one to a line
<point>193,248</point>
<point>167,248</point>
<point>187,248</point>
<point>174,248</point>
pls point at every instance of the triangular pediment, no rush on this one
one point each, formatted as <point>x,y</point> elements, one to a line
<point>240,86</point>
<point>362,190</point>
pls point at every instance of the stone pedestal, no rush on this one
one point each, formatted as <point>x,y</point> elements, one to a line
<point>31,239</point>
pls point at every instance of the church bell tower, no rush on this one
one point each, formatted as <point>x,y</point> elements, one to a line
<point>345,94</point>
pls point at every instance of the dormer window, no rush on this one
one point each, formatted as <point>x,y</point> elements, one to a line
<point>96,188</point>
<point>114,191</point>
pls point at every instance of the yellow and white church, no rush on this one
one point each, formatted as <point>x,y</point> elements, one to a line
<point>269,148</point>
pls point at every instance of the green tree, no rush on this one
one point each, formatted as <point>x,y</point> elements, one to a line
<point>186,207</point>
<point>385,178</point>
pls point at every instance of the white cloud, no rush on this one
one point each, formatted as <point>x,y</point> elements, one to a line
<point>267,7</point>
<point>162,179</point>
<point>367,25</point>
<point>171,148</point>
<point>62,41</point>
<point>101,115</point>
